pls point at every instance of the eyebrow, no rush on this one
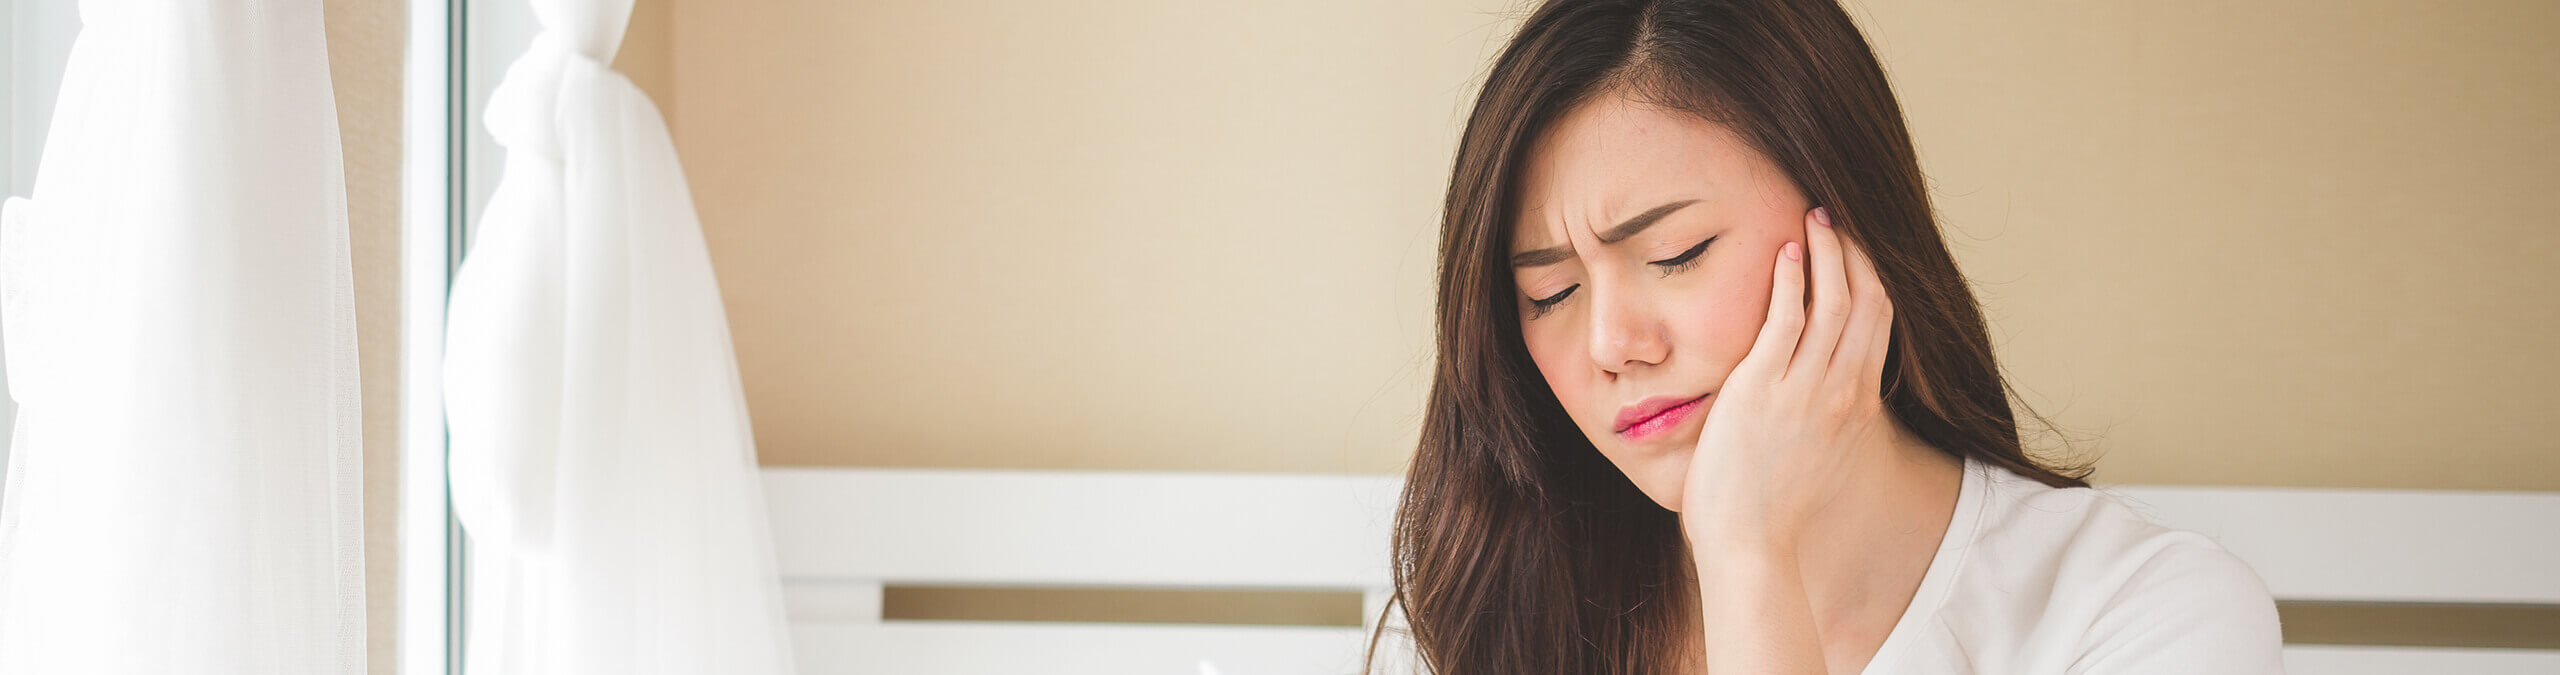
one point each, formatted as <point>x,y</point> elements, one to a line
<point>1556,254</point>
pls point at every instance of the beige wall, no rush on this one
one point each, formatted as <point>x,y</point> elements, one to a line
<point>2297,243</point>
<point>1075,234</point>
<point>2288,243</point>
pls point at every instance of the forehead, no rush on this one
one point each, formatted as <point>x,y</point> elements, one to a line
<point>1612,157</point>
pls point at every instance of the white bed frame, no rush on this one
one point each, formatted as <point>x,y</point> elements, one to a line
<point>841,535</point>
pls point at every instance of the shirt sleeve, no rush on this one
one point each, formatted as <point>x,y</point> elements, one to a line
<point>2191,608</point>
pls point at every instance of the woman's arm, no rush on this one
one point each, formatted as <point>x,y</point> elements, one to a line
<point>1758,618</point>
<point>1786,427</point>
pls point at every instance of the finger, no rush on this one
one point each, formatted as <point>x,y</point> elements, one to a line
<point>1830,307</point>
<point>1767,361</point>
<point>1869,334</point>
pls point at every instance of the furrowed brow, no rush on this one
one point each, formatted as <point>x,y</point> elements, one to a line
<point>1556,254</point>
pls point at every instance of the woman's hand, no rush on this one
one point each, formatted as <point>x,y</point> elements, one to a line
<point>1783,429</point>
<point>1775,451</point>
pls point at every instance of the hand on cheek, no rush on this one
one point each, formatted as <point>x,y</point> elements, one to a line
<point>1789,417</point>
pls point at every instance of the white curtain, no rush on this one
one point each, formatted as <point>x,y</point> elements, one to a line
<point>183,490</point>
<point>601,460</point>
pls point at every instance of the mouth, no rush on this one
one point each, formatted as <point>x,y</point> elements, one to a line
<point>1651,417</point>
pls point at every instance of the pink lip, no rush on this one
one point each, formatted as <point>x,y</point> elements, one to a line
<point>1653,416</point>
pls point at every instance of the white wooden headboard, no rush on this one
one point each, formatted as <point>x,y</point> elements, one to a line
<point>841,535</point>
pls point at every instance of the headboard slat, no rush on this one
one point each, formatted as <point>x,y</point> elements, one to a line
<point>1020,528</point>
<point>2378,545</point>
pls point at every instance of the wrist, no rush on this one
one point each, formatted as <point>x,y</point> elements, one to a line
<point>1739,540</point>
<point>1725,569</point>
<point>1738,527</point>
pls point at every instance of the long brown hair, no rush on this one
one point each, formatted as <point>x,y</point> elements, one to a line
<point>1518,547</point>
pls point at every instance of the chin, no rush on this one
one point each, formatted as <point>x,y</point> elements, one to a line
<point>1662,478</point>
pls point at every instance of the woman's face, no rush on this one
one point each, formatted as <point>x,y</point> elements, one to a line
<point>1643,254</point>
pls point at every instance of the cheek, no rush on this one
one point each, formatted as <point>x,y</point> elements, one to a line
<point>1556,349</point>
<point>1724,319</point>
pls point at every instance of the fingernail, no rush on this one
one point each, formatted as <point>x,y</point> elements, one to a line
<point>1823,216</point>
<point>1794,252</point>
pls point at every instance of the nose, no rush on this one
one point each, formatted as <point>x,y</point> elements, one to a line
<point>1626,333</point>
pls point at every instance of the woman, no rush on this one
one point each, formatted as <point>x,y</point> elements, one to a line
<point>1712,395</point>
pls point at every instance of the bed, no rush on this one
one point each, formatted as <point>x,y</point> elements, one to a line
<point>844,535</point>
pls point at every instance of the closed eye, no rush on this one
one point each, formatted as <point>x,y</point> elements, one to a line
<point>1538,306</point>
<point>1678,263</point>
